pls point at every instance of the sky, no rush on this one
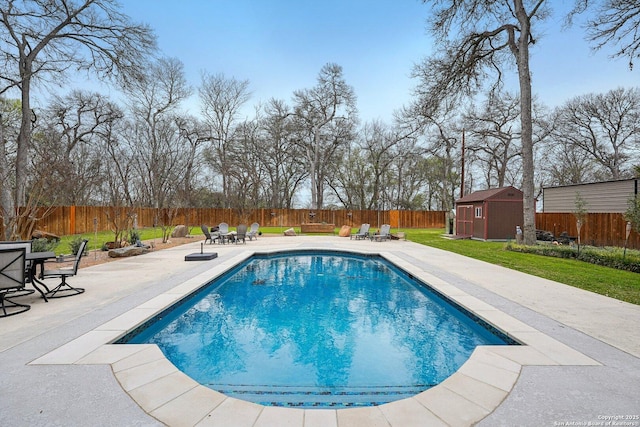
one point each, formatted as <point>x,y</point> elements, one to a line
<point>279,46</point>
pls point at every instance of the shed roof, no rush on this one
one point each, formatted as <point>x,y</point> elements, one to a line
<point>478,196</point>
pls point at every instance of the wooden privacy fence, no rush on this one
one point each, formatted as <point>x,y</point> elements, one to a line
<point>65,220</point>
<point>599,229</point>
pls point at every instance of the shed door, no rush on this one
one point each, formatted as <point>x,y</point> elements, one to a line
<point>464,220</point>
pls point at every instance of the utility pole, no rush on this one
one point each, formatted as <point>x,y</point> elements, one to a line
<point>462,169</point>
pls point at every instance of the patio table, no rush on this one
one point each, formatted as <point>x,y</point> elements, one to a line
<point>227,237</point>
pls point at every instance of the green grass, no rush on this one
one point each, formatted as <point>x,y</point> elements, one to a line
<point>622,285</point>
<point>97,240</point>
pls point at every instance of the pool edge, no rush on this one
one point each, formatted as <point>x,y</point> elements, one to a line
<point>158,385</point>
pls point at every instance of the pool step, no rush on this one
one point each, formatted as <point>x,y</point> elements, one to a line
<point>314,397</point>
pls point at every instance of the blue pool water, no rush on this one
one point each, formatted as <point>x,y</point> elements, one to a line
<point>316,329</point>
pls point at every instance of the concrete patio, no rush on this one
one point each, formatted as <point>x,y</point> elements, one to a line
<point>580,364</point>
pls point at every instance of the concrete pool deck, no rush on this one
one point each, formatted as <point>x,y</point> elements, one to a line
<point>581,363</point>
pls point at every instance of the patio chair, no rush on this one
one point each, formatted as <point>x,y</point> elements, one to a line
<point>253,231</point>
<point>362,233</point>
<point>241,233</point>
<point>64,289</point>
<point>207,234</point>
<point>383,234</point>
<point>27,245</point>
<point>223,229</point>
<point>12,279</point>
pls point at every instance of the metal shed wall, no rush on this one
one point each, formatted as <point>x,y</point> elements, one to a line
<point>600,197</point>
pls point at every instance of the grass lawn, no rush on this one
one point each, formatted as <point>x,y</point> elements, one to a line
<point>97,240</point>
<point>622,285</point>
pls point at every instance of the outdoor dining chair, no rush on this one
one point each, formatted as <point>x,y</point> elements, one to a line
<point>12,279</point>
<point>27,245</point>
<point>64,289</point>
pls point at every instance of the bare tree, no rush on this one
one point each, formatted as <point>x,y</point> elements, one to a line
<point>361,179</point>
<point>155,143</point>
<point>119,182</point>
<point>354,179</point>
<point>67,151</point>
<point>222,98</point>
<point>566,164</point>
<point>326,116</point>
<point>485,37</point>
<point>191,131</point>
<point>9,129</point>
<point>245,174</point>
<point>408,184</point>
<point>605,126</point>
<point>279,156</point>
<point>46,38</point>
<point>615,22</point>
<point>442,134</point>
<point>494,135</point>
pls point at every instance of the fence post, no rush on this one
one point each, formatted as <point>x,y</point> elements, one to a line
<point>72,219</point>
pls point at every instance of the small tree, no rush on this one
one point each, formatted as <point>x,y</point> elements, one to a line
<point>581,215</point>
<point>120,219</point>
<point>632,215</point>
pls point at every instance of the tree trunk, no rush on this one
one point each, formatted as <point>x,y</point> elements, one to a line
<point>24,137</point>
<point>528,188</point>
<point>7,208</point>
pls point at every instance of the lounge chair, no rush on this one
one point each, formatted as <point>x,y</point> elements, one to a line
<point>241,233</point>
<point>12,280</point>
<point>253,231</point>
<point>383,234</point>
<point>64,289</point>
<point>223,232</point>
<point>207,234</point>
<point>362,233</point>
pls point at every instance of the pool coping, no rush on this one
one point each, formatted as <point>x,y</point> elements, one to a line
<point>170,396</point>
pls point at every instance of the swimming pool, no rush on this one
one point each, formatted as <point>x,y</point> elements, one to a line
<point>316,329</point>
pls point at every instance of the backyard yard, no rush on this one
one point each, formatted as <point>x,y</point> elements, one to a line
<point>618,284</point>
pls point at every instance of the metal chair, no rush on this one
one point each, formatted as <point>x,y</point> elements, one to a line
<point>12,279</point>
<point>383,234</point>
<point>27,245</point>
<point>362,233</point>
<point>64,289</point>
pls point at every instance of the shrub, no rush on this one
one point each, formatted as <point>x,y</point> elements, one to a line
<point>44,245</point>
<point>75,243</point>
<point>606,257</point>
<point>134,236</point>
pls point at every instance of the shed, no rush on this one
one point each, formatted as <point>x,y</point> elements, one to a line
<point>489,214</point>
<point>599,197</point>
